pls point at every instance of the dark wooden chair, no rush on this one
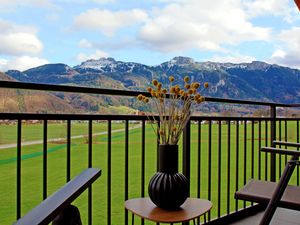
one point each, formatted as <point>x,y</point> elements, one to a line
<point>52,206</point>
<point>274,194</point>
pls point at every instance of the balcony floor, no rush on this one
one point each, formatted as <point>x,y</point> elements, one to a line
<point>281,216</point>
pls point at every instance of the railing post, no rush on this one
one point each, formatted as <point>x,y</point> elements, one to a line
<point>273,138</point>
<point>186,155</point>
<point>186,151</point>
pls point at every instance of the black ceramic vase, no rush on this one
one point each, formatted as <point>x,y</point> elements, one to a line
<point>168,189</point>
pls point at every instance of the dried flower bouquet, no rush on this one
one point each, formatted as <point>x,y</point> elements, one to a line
<point>173,105</point>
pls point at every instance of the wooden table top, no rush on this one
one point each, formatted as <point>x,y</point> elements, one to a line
<point>191,209</point>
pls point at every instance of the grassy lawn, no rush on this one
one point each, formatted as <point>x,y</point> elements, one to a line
<point>32,165</point>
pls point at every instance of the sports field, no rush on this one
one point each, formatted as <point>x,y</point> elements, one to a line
<point>32,164</point>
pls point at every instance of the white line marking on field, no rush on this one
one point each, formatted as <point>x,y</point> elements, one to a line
<point>26,143</point>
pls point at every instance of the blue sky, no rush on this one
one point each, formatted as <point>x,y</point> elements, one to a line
<point>36,32</point>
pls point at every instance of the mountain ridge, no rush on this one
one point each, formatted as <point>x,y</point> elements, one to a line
<point>257,80</point>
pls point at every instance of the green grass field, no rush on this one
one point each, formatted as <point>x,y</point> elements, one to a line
<point>32,165</point>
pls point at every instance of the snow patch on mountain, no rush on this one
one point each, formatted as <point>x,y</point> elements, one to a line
<point>98,64</point>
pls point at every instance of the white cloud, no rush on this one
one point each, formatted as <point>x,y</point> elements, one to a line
<point>200,24</point>
<point>20,43</point>
<point>107,21</point>
<point>103,1</point>
<point>85,1</point>
<point>83,43</point>
<point>18,40</point>
<point>288,53</point>
<point>290,59</point>
<point>291,38</point>
<point>96,55</point>
<point>35,3</point>
<point>6,27</point>
<point>270,7</point>
<point>279,54</point>
<point>232,59</point>
<point>3,63</point>
<point>21,63</point>
<point>170,1</point>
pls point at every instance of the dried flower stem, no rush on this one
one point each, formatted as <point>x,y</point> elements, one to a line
<point>174,112</point>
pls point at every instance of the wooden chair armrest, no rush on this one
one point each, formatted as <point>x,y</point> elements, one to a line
<point>281,151</point>
<point>288,144</point>
<point>48,209</point>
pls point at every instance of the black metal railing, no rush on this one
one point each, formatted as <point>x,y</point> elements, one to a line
<point>218,155</point>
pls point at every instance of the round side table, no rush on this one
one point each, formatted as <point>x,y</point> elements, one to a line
<point>192,208</point>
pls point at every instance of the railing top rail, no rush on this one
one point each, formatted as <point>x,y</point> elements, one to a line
<point>53,116</point>
<point>43,116</point>
<point>249,102</point>
<point>103,91</point>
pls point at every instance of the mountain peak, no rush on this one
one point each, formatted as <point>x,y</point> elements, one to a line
<point>180,60</point>
<point>258,65</point>
<point>97,64</point>
<point>102,59</point>
<point>53,68</point>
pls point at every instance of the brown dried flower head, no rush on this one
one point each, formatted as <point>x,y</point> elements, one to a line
<point>173,105</point>
<point>155,82</point>
<point>186,79</point>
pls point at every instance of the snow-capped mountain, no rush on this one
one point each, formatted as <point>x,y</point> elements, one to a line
<point>255,80</point>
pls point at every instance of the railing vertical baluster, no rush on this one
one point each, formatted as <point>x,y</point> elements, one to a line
<point>285,138</point>
<point>280,130</point>
<point>45,135</point>
<point>245,155</point>
<point>209,163</point>
<point>68,150</point>
<point>90,160</point>
<point>273,138</point>
<point>266,133</point>
<point>259,152</point>
<point>157,146</point>
<point>252,149</point>
<point>280,157</point>
<point>186,152</point>
<point>90,147</point>
<point>297,133</point>
<point>143,160</point>
<point>19,140</point>
<point>126,166</point>
<point>199,163</point>
<point>199,160</point>
<point>266,155</point>
<point>237,163</point>
<point>109,172</point>
<point>219,167</point>
<point>228,166</point>
<point>143,165</point>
